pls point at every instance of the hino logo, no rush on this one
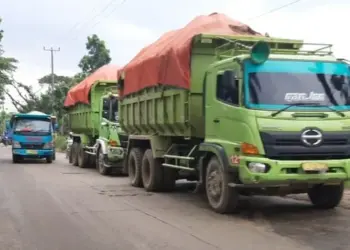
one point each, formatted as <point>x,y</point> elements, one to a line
<point>311,137</point>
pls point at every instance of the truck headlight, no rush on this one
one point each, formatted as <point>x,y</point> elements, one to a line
<point>16,144</point>
<point>48,145</point>
<point>257,167</point>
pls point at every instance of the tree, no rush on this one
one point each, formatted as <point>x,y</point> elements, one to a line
<point>7,67</point>
<point>98,55</point>
<point>28,100</point>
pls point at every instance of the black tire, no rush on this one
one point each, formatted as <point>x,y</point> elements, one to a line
<point>134,167</point>
<point>74,152</point>
<point>221,197</point>
<point>83,158</point>
<point>326,197</point>
<point>152,174</point>
<point>100,163</point>
<point>15,158</point>
<point>49,159</point>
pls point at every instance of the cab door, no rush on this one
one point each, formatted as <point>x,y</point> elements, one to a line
<point>223,111</point>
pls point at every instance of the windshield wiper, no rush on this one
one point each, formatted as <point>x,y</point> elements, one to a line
<point>309,105</point>
<point>330,108</point>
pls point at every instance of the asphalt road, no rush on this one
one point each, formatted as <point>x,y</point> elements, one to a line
<point>58,206</point>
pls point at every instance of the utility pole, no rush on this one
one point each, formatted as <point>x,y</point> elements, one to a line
<point>52,50</point>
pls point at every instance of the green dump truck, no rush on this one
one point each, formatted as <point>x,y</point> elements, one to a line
<point>93,119</point>
<point>260,116</point>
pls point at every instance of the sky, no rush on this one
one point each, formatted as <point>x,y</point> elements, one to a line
<point>129,25</point>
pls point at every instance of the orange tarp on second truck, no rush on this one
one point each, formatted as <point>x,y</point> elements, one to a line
<point>167,60</point>
<point>80,92</point>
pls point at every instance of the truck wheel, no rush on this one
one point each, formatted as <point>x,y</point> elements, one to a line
<point>54,154</point>
<point>326,196</point>
<point>134,167</point>
<point>74,152</point>
<point>152,172</point>
<point>15,158</point>
<point>221,197</point>
<point>83,158</point>
<point>100,163</point>
<point>49,159</point>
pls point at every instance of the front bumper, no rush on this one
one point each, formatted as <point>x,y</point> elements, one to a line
<point>115,154</point>
<point>29,153</point>
<point>291,172</point>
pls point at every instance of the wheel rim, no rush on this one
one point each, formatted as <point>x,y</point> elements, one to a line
<point>132,168</point>
<point>146,172</point>
<point>214,186</point>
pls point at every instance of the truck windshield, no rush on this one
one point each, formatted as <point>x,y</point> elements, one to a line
<point>281,83</point>
<point>32,127</point>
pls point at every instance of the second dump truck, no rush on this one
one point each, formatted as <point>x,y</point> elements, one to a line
<point>93,119</point>
<point>249,115</point>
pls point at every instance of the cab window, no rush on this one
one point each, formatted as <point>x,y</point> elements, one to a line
<point>227,89</point>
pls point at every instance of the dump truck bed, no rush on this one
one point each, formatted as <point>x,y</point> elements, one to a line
<point>85,118</point>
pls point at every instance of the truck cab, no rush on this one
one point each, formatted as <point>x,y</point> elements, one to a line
<point>111,134</point>
<point>32,136</point>
<point>281,119</point>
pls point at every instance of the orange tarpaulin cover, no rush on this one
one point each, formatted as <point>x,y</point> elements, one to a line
<point>80,92</point>
<point>167,60</point>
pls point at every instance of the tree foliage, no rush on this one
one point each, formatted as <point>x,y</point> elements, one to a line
<point>7,67</point>
<point>98,55</point>
<point>27,100</point>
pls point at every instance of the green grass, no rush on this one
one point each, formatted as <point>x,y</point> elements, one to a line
<point>61,143</point>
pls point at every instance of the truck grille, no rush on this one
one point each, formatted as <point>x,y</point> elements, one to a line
<point>289,146</point>
<point>31,145</point>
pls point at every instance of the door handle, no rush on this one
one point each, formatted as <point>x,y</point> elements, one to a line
<point>216,120</point>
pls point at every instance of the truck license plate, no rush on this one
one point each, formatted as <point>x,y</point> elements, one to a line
<point>32,152</point>
<point>313,166</point>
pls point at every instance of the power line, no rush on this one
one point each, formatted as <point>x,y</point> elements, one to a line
<point>76,25</point>
<point>110,13</point>
<point>94,17</point>
<point>275,9</point>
